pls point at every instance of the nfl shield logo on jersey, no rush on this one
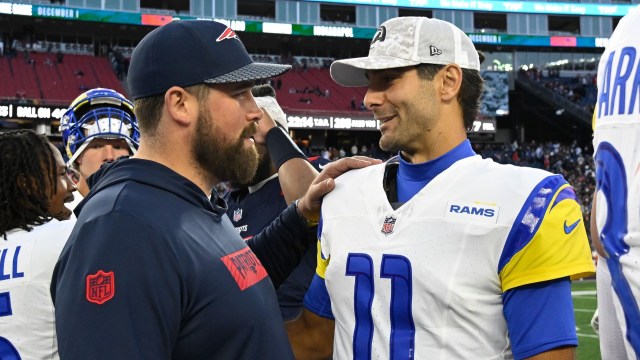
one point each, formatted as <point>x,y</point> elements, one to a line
<point>237,215</point>
<point>387,226</point>
<point>100,287</point>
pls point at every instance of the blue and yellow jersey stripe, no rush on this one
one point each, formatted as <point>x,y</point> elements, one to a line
<point>548,239</point>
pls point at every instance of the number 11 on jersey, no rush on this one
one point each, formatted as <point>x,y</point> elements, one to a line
<point>397,269</point>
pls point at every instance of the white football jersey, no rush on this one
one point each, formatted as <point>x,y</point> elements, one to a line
<point>27,259</point>
<point>616,126</point>
<point>425,281</point>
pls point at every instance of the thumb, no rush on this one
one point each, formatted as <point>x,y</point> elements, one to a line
<point>329,185</point>
<point>325,187</point>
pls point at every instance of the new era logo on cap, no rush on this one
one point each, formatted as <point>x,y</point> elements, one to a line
<point>409,41</point>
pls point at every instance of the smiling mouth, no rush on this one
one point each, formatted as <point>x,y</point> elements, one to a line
<point>386,119</point>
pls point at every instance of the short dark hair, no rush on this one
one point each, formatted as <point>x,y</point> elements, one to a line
<point>470,90</point>
<point>263,90</point>
<point>148,110</point>
<point>26,160</point>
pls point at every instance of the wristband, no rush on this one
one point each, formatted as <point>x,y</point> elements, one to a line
<point>281,147</point>
<point>307,222</point>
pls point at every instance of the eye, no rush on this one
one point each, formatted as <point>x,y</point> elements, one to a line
<point>389,77</point>
<point>242,94</point>
<point>71,173</point>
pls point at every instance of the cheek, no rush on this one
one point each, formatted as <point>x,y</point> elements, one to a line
<point>90,162</point>
<point>57,200</point>
<point>122,152</point>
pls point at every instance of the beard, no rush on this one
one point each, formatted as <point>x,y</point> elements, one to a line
<point>221,159</point>
<point>264,167</point>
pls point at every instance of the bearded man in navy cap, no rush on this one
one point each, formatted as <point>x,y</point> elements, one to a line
<point>154,268</point>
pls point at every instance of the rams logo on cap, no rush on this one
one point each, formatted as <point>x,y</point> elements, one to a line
<point>380,35</point>
<point>227,34</point>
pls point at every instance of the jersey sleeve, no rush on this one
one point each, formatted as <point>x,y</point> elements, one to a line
<point>548,239</point>
<point>317,298</point>
<point>118,275</point>
<point>540,317</point>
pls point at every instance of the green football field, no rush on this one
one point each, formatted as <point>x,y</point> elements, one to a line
<point>584,302</point>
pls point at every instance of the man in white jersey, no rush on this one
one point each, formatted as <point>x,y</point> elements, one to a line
<point>99,126</point>
<point>439,253</point>
<point>33,191</point>
<point>615,224</point>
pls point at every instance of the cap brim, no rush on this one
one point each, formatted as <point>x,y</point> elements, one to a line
<point>251,72</point>
<point>352,72</point>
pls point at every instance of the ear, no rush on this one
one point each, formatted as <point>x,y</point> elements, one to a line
<point>451,82</point>
<point>25,184</point>
<point>181,106</point>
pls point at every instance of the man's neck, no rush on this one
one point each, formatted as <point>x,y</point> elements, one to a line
<point>186,168</point>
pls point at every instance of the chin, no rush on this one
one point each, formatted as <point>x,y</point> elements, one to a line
<point>63,215</point>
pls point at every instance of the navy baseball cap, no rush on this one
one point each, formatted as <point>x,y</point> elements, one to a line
<point>190,52</point>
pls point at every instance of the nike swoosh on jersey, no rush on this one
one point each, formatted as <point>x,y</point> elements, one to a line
<point>321,166</point>
<point>569,228</point>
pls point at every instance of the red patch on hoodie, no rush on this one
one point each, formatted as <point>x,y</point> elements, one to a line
<point>101,287</point>
<point>245,268</point>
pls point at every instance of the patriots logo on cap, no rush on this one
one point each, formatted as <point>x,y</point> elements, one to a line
<point>434,50</point>
<point>227,34</point>
<point>388,225</point>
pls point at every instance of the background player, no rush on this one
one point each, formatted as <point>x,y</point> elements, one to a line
<point>615,224</point>
<point>33,191</point>
<point>439,253</point>
<point>254,205</point>
<point>98,126</point>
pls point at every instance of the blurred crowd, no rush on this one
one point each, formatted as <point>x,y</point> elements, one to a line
<point>580,89</point>
<point>572,161</point>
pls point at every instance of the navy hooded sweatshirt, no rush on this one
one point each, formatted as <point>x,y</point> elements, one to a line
<point>154,270</point>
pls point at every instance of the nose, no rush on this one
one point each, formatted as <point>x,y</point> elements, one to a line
<point>71,185</point>
<point>108,153</point>
<point>254,113</point>
<point>373,98</point>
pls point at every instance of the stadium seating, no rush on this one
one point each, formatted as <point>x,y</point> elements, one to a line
<point>292,95</point>
<point>55,83</point>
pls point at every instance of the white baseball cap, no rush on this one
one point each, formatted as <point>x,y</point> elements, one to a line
<point>408,41</point>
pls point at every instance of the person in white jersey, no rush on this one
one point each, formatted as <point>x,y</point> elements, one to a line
<point>615,225</point>
<point>439,254</point>
<point>33,191</point>
<point>99,126</point>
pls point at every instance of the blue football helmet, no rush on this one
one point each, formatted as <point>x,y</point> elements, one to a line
<point>101,113</point>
